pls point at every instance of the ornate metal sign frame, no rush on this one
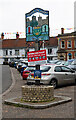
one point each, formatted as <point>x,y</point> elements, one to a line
<point>37,27</point>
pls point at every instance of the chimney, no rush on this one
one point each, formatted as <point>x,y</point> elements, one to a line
<point>17,36</point>
<point>62,30</point>
<point>2,36</point>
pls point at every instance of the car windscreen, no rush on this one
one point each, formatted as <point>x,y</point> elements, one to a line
<point>58,63</point>
<point>67,63</point>
<point>45,68</point>
<point>74,62</point>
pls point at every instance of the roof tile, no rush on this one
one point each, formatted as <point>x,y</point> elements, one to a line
<point>21,42</point>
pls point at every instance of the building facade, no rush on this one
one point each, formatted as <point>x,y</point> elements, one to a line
<point>66,46</point>
<point>18,48</point>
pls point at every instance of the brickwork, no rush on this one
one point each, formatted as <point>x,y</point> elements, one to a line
<point>72,49</point>
<point>37,93</point>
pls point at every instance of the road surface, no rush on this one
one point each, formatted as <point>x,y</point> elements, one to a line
<point>6,77</point>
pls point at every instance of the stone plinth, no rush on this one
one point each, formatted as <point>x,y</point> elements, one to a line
<point>37,93</point>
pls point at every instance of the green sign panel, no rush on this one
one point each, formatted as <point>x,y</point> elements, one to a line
<point>36,31</point>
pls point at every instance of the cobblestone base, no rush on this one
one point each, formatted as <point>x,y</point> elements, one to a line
<point>37,93</point>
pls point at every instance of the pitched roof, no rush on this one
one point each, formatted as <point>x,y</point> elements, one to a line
<point>52,42</point>
<point>21,43</point>
<point>13,43</point>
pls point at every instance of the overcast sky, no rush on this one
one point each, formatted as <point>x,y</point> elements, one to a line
<point>12,14</point>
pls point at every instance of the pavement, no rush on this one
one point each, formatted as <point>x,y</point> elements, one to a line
<point>66,110</point>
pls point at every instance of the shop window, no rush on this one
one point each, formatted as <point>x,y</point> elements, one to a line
<point>69,45</point>
<point>62,44</point>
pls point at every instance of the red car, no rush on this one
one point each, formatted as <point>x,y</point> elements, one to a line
<point>27,71</point>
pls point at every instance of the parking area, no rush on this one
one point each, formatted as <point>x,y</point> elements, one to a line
<point>66,110</point>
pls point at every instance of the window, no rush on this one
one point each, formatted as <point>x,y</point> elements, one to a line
<point>57,69</point>
<point>45,68</point>
<point>45,28</point>
<point>5,52</point>
<point>16,52</point>
<point>62,44</point>
<point>75,43</point>
<point>27,50</point>
<point>69,45</point>
<point>30,69</point>
<point>75,54</point>
<point>65,69</point>
<point>69,56</point>
<point>62,69</point>
<point>10,52</point>
<point>29,30</point>
<point>49,51</point>
<point>74,62</point>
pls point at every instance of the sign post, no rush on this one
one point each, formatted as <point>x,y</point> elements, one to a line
<point>37,29</point>
<point>37,75</point>
<point>37,57</point>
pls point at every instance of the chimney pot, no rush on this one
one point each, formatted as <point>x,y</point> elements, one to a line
<point>2,36</point>
<point>62,30</point>
<point>17,36</point>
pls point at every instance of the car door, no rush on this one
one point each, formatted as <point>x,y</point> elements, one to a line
<point>59,75</point>
<point>69,76</point>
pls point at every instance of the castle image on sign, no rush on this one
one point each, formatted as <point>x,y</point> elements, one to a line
<point>37,28</point>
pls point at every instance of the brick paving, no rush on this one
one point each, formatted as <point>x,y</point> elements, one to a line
<point>60,111</point>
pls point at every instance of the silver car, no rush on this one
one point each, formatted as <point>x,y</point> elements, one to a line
<point>73,65</point>
<point>54,75</point>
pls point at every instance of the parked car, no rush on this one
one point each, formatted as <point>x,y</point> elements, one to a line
<point>61,62</point>
<point>52,61</point>
<point>5,63</point>
<point>68,62</point>
<point>73,65</point>
<point>23,67</point>
<point>20,64</point>
<point>27,71</point>
<point>16,63</point>
<point>54,75</point>
<point>11,63</point>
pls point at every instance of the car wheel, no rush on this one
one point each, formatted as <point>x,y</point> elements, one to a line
<point>53,83</point>
<point>23,78</point>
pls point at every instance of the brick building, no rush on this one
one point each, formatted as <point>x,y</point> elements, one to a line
<point>66,45</point>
